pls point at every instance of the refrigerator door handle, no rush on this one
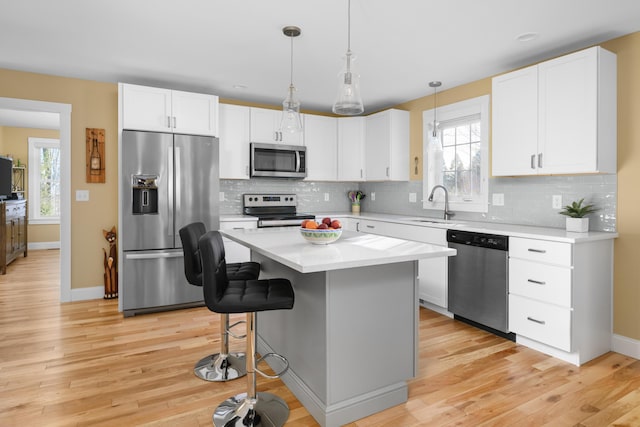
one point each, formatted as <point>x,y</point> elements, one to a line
<point>154,255</point>
<point>170,190</point>
<point>178,174</point>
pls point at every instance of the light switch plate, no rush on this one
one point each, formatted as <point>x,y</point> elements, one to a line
<point>412,197</point>
<point>373,197</point>
<point>82,195</point>
<point>498,199</point>
<point>326,197</point>
<point>556,201</point>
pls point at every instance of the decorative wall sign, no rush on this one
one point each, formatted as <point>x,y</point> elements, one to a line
<point>95,156</point>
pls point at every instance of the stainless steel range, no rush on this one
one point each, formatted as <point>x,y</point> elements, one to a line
<point>274,210</point>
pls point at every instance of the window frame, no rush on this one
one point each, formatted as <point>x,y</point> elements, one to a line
<point>35,144</point>
<point>452,112</point>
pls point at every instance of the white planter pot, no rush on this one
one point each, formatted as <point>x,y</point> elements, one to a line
<point>578,225</point>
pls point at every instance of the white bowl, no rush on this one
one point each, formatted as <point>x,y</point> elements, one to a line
<point>319,236</point>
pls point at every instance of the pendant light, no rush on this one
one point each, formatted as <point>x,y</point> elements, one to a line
<point>435,155</point>
<point>348,102</point>
<point>435,85</point>
<point>291,121</point>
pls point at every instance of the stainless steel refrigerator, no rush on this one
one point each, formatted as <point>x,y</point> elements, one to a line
<point>168,181</point>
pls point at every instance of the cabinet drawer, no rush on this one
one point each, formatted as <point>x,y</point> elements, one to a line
<point>540,250</point>
<point>542,322</point>
<point>435,236</point>
<point>373,227</point>
<point>231,225</point>
<point>547,283</point>
<point>16,210</point>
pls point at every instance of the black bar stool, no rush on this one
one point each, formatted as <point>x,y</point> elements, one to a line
<point>222,366</point>
<point>244,296</point>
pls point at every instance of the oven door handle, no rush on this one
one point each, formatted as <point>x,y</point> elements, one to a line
<point>263,223</point>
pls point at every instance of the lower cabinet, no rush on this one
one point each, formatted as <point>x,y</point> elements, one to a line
<point>13,234</point>
<point>560,297</point>
<point>235,252</point>
<point>432,273</point>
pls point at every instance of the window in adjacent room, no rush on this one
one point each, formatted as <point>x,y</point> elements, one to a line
<point>458,155</point>
<point>44,181</point>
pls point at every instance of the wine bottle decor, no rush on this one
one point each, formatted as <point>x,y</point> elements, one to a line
<point>95,164</point>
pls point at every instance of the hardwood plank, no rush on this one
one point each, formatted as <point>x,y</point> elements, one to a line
<point>83,364</point>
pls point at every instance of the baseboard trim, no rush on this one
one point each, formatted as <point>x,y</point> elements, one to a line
<point>84,294</point>
<point>35,246</point>
<point>627,346</point>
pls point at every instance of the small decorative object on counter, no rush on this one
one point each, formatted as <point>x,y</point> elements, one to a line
<point>576,212</point>
<point>355,197</point>
<point>327,231</point>
<point>110,265</point>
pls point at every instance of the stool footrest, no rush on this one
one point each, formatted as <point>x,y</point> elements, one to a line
<point>233,326</point>
<point>277,356</point>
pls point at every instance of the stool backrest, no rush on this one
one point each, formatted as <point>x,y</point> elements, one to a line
<point>214,270</point>
<point>190,234</point>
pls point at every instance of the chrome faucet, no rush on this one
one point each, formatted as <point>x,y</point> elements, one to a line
<point>447,213</point>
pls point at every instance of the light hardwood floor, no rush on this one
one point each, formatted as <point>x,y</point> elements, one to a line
<point>83,364</point>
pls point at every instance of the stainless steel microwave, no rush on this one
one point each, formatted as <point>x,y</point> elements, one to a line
<point>278,161</point>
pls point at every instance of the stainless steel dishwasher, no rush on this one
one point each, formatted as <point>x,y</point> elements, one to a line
<point>478,280</point>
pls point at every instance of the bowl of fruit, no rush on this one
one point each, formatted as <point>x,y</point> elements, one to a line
<point>323,233</point>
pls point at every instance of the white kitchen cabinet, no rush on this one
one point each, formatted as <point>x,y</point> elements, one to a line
<point>560,297</point>
<point>387,146</point>
<point>321,140</point>
<point>432,272</point>
<point>351,139</point>
<point>234,141</point>
<point>556,117</point>
<point>164,110</point>
<point>265,127</point>
<point>235,252</point>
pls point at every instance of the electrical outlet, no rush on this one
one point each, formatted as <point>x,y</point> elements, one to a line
<point>221,196</point>
<point>326,197</point>
<point>82,195</point>
<point>412,197</point>
<point>373,197</point>
<point>498,199</point>
<point>556,201</point>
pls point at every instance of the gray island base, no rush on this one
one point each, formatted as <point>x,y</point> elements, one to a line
<point>352,336</point>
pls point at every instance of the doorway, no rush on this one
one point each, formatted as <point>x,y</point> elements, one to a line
<point>64,111</point>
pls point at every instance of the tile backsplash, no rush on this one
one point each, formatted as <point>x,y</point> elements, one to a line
<point>527,200</point>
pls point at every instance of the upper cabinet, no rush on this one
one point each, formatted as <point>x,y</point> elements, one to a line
<point>321,140</point>
<point>556,117</point>
<point>387,146</point>
<point>265,127</point>
<point>234,141</point>
<point>165,110</point>
<point>351,134</point>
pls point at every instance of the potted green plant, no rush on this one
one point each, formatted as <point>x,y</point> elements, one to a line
<point>576,212</point>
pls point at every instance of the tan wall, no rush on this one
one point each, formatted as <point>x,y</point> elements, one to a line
<point>94,105</point>
<point>15,141</point>
<point>627,269</point>
<point>626,296</point>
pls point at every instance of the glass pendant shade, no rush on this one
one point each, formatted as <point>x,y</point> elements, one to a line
<point>348,102</point>
<point>291,121</point>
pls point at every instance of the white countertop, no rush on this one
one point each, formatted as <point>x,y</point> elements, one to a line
<point>287,246</point>
<point>512,230</point>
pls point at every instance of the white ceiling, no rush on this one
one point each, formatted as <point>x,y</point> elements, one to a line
<point>212,45</point>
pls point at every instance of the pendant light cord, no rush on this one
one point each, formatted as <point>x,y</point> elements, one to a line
<point>291,82</point>
<point>349,27</point>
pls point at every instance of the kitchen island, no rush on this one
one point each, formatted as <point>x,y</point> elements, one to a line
<point>352,336</point>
